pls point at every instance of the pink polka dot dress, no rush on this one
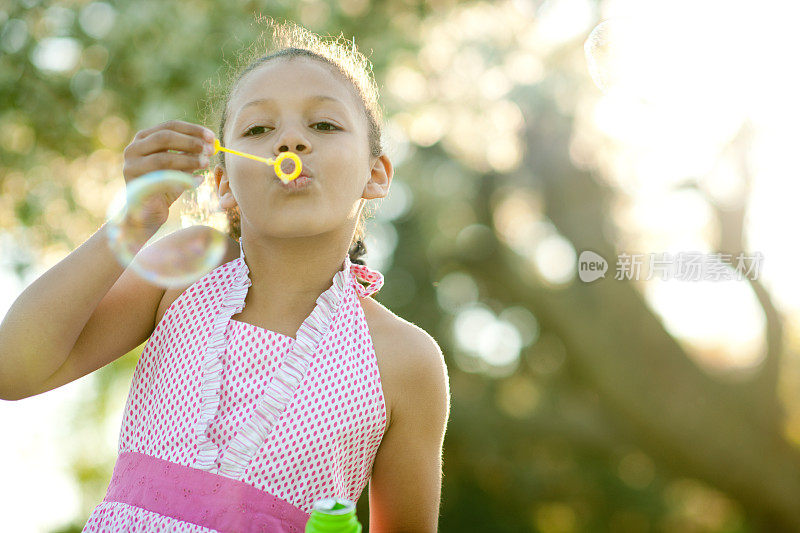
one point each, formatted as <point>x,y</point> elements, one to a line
<point>231,427</point>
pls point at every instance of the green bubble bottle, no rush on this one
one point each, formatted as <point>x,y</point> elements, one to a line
<point>333,515</point>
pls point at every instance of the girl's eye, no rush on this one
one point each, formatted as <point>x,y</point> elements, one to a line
<point>249,132</point>
<point>253,130</point>
<point>332,127</point>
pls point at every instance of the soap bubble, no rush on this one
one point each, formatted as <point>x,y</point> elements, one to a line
<point>600,55</point>
<point>631,57</point>
<point>192,252</point>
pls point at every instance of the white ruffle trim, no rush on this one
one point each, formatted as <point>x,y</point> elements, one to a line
<point>232,303</point>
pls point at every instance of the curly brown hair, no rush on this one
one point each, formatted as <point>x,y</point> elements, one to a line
<point>290,41</point>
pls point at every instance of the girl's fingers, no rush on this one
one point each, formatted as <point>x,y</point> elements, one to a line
<point>187,128</point>
<point>163,140</point>
<point>164,161</point>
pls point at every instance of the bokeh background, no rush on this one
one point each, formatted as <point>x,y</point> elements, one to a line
<point>617,405</point>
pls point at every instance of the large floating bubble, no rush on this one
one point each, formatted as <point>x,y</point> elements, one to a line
<point>601,55</point>
<point>633,57</point>
<point>188,252</point>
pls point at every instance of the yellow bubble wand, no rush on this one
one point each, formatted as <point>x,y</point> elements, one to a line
<point>284,177</point>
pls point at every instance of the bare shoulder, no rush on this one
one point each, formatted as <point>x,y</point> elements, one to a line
<point>409,338</point>
<point>407,355</point>
<point>172,294</point>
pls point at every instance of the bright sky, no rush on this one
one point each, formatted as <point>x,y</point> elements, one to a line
<point>37,492</point>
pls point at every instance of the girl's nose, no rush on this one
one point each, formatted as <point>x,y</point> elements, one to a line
<point>291,139</point>
<point>299,148</point>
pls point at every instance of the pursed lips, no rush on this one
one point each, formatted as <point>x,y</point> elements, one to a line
<point>303,173</point>
<point>296,183</point>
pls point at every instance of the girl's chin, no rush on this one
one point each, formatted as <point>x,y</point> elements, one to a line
<point>306,226</point>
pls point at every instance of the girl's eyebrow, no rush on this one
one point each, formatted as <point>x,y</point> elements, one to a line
<point>271,101</point>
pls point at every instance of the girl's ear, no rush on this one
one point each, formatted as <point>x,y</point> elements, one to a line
<point>380,179</point>
<point>226,199</point>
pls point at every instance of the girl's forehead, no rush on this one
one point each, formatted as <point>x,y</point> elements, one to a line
<point>288,79</point>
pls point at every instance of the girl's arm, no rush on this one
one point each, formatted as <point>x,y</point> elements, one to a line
<point>70,304</point>
<point>406,483</point>
<point>80,314</point>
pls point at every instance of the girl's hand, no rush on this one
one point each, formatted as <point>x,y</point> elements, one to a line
<point>172,145</point>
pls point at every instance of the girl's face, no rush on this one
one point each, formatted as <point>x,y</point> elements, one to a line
<point>299,105</point>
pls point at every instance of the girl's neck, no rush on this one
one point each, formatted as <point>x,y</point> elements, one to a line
<point>288,275</point>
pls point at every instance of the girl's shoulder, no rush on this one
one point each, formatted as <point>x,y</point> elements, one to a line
<point>401,348</point>
<point>392,329</point>
<point>397,338</point>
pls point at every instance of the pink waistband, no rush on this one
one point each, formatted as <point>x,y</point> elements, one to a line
<point>200,497</point>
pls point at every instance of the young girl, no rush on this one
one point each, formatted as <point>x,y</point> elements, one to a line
<point>274,380</point>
